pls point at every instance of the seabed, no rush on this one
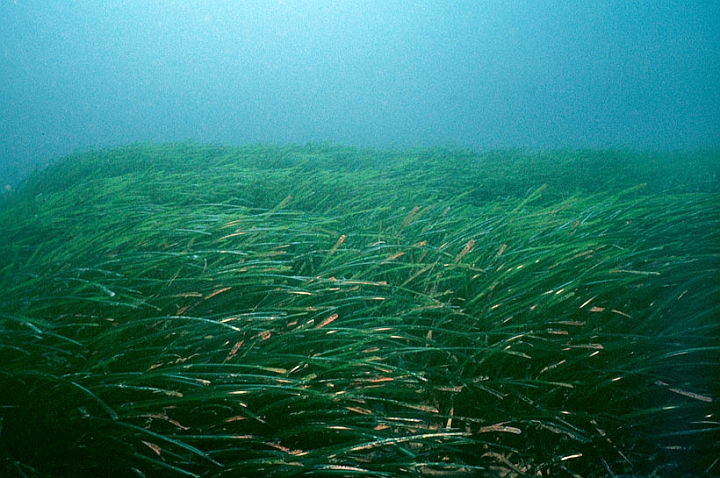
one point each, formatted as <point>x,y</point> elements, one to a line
<point>212,311</point>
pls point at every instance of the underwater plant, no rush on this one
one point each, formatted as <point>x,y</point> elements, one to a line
<point>195,310</point>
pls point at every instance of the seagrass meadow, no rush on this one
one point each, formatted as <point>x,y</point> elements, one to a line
<point>211,311</point>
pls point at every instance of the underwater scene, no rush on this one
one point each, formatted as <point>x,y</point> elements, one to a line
<point>360,238</point>
<point>212,311</point>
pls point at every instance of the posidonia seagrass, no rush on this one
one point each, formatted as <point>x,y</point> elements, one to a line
<point>192,310</point>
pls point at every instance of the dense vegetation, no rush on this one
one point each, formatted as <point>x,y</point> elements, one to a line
<point>191,310</point>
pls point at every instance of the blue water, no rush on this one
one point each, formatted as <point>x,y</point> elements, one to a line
<point>479,74</point>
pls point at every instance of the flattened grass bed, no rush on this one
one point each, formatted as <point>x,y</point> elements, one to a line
<point>193,310</point>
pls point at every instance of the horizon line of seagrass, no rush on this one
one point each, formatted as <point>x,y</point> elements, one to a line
<point>166,158</point>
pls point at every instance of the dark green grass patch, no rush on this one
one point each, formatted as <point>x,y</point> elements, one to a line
<point>189,310</point>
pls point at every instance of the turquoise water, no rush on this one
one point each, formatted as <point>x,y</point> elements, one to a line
<point>480,75</point>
